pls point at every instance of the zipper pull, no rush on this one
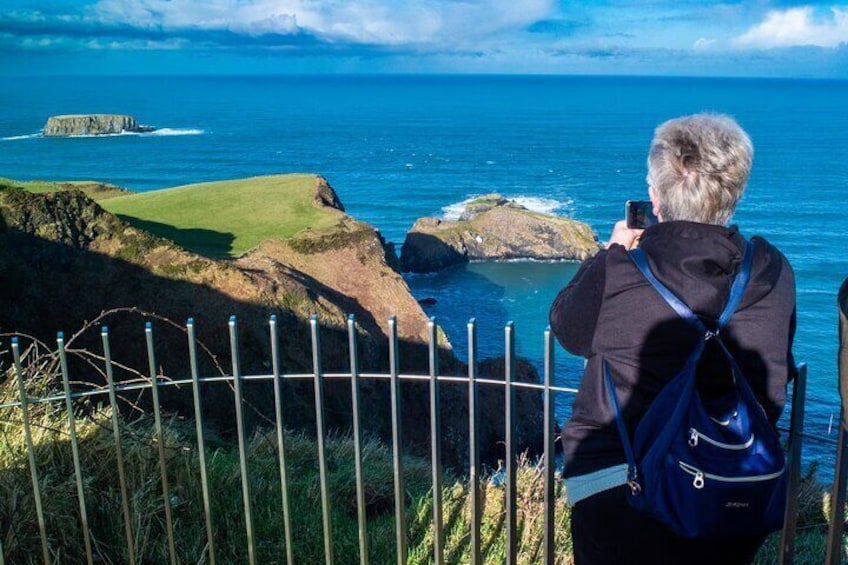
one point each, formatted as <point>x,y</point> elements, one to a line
<point>693,437</point>
<point>698,482</point>
<point>633,481</point>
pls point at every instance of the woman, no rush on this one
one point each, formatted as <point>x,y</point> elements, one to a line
<point>697,170</point>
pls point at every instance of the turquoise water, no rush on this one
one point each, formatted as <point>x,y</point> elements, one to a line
<point>397,148</point>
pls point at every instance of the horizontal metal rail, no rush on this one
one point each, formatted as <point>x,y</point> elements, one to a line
<point>161,381</point>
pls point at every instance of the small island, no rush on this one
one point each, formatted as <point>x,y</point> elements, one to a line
<point>493,228</point>
<point>92,124</point>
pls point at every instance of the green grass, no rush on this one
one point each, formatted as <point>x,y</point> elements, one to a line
<point>227,218</point>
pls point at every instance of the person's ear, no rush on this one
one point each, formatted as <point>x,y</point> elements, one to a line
<point>655,202</point>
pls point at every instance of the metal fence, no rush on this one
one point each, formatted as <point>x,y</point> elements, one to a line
<point>154,382</point>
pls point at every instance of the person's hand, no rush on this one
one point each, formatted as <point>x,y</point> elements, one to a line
<point>625,236</point>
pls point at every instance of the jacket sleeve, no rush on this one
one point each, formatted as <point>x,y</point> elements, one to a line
<point>774,347</point>
<point>574,313</point>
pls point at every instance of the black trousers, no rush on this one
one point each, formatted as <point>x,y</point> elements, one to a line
<point>605,529</point>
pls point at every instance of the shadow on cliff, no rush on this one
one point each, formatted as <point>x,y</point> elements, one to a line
<point>425,253</point>
<point>209,243</point>
<point>49,287</point>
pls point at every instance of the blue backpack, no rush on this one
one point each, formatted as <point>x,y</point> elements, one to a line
<point>706,469</point>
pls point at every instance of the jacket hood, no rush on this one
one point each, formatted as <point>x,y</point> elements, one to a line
<point>704,258</point>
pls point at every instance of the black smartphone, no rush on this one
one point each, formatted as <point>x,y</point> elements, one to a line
<point>639,214</point>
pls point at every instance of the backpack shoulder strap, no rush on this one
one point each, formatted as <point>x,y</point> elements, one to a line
<point>641,261</point>
<point>740,283</point>
<point>633,480</point>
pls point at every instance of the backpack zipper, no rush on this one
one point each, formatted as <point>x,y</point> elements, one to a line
<point>695,436</point>
<point>725,422</point>
<point>698,481</point>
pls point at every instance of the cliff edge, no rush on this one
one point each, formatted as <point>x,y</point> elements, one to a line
<point>64,261</point>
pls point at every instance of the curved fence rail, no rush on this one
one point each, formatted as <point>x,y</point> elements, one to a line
<point>154,383</point>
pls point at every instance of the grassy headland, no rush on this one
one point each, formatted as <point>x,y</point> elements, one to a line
<point>227,218</point>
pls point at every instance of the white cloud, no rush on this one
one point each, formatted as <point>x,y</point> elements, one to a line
<point>795,27</point>
<point>380,22</point>
<point>38,43</point>
<point>703,44</point>
<point>135,45</point>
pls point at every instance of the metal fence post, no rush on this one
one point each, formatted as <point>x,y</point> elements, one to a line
<point>119,451</point>
<point>357,440</point>
<point>33,470</point>
<point>281,444</point>
<point>322,447</point>
<point>397,455</point>
<point>160,438</point>
<point>837,499</point>
<point>242,441</point>
<point>509,430</point>
<point>473,452</point>
<point>550,494</point>
<point>72,429</point>
<point>201,441</point>
<point>796,431</point>
<point>436,443</point>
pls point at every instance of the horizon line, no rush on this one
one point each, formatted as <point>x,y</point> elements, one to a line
<point>425,74</point>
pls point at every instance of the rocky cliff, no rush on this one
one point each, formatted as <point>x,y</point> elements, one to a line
<point>64,260</point>
<point>494,228</point>
<point>91,124</point>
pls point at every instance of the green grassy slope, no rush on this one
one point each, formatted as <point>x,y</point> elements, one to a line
<point>227,218</point>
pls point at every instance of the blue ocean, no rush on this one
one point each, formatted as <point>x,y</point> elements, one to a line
<point>396,148</point>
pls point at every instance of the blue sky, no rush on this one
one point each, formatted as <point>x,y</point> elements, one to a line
<point>683,37</point>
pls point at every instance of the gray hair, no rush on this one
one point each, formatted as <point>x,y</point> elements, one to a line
<point>698,166</point>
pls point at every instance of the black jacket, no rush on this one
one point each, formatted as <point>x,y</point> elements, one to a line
<point>610,311</point>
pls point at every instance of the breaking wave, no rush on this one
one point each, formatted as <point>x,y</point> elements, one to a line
<point>173,131</point>
<point>534,203</point>
<point>160,132</point>
<point>17,137</point>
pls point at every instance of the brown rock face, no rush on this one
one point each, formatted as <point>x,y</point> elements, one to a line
<point>326,196</point>
<point>493,228</point>
<point>91,124</point>
<point>64,260</point>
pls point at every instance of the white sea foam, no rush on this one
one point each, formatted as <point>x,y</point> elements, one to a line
<point>174,131</point>
<point>17,137</point>
<point>160,132</point>
<point>544,205</point>
<point>534,203</point>
<point>94,135</point>
<point>454,211</point>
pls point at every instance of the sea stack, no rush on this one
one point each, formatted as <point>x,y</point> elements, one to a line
<point>91,124</point>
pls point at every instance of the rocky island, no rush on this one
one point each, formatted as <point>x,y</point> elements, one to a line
<point>92,124</point>
<point>495,228</point>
